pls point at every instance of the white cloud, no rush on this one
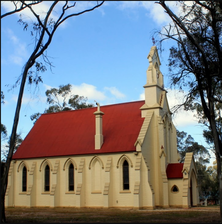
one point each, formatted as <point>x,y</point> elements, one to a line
<point>142,96</point>
<point>92,94</point>
<point>181,118</point>
<point>20,51</point>
<point>40,9</point>
<point>114,91</point>
<point>154,10</point>
<point>129,4</point>
<point>16,59</point>
<point>30,99</point>
<point>85,90</point>
<point>88,91</point>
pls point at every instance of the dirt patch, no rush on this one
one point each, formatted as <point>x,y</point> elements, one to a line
<point>209,214</point>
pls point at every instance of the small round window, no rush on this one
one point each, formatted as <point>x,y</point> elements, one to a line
<point>174,189</point>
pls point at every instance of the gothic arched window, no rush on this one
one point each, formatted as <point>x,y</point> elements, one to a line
<point>47,178</point>
<point>24,179</point>
<point>125,175</point>
<point>71,177</point>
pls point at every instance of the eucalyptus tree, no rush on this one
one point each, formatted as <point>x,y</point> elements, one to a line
<point>61,99</point>
<point>186,143</point>
<point>3,132</point>
<point>195,62</point>
<point>42,28</point>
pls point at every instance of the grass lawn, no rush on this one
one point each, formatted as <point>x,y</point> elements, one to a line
<point>209,214</point>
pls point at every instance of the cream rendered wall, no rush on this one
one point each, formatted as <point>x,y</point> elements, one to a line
<point>174,152</point>
<point>150,151</point>
<point>146,191</point>
<point>146,178</point>
<point>160,148</point>
<point>10,187</point>
<point>175,198</point>
<point>107,192</point>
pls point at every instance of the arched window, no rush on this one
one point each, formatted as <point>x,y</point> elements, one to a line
<point>47,178</point>
<point>71,177</point>
<point>125,175</point>
<point>24,179</point>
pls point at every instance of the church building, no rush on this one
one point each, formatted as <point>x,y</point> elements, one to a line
<point>119,155</point>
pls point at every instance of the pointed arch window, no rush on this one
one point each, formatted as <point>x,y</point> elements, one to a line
<point>24,179</point>
<point>47,178</point>
<point>71,177</point>
<point>125,175</point>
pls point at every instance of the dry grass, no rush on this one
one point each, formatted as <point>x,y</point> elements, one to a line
<point>210,214</point>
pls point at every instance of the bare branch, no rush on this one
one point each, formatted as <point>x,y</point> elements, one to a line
<point>22,7</point>
<point>79,13</point>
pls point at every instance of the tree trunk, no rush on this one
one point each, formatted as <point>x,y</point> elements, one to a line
<point>12,141</point>
<point>219,176</point>
<point>218,152</point>
<point>3,220</point>
<point>220,184</point>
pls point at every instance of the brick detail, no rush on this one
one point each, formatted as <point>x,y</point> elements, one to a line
<point>164,177</point>
<point>78,189</point>
<point>81,165</point>
<point>32,168</point>
<point>108,164</point>
<point>53,189</point>
<point>136,187</point>
<point>138,163</point>
<point>106,189</point>
<point>29,189</point>
<point>56,167</point>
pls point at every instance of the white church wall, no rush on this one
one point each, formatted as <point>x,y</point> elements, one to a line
<point>94,176</point>
<point>173,139</point>
<point>175,197</point>
<point>146,192</point>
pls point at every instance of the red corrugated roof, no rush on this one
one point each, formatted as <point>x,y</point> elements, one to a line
<point>174,170</point>
<point>73,132</point>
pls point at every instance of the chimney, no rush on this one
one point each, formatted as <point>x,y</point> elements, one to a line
<point>99,128</point>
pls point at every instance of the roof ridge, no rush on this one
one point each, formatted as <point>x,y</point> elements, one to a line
<point>101,106</point>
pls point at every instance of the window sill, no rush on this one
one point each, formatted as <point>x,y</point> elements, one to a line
<point>125,191</point>
<point>70,192</point>
<point>23,193</point>
<point>96,192</point>
<point>48,192</point>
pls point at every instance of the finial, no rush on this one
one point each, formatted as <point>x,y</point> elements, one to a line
<point>98,106</point>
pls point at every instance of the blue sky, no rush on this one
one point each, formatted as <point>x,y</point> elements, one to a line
<point>102,54</point>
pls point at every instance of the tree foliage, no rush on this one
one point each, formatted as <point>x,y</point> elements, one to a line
<point>207,133</point>
<point>18,142</point>
<point>206,178</point>
<point>186,143</point>
<point>2,97</point>
<point>3,132</point>
<point>61,99</point>
<point>207,182</point>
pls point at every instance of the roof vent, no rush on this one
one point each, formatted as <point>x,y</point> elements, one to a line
<point>99,127</point>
